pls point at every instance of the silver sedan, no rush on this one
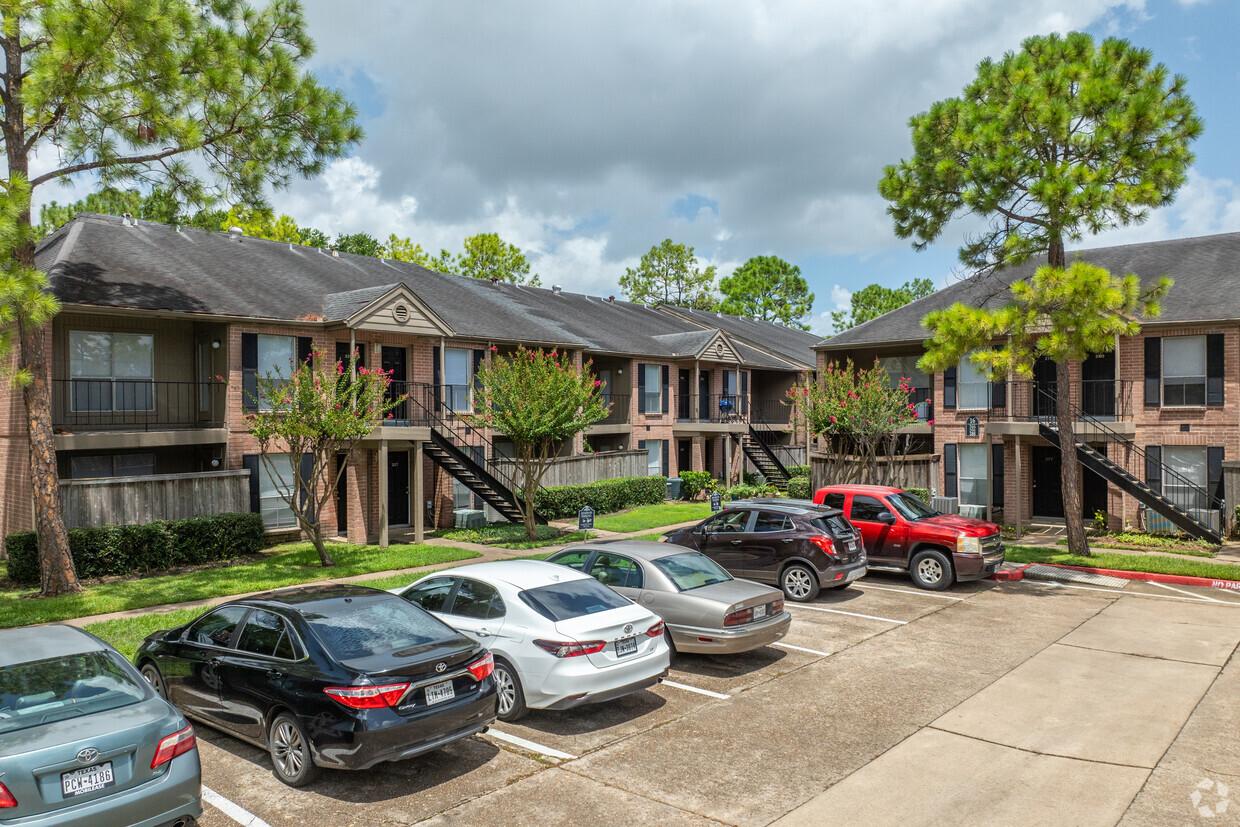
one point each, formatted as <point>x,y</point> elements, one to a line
<point>703,607</point>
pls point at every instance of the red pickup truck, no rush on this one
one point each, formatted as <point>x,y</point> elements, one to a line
<point>902,533</point>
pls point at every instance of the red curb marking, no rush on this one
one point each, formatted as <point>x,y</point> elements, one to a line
<point>1149,577</point>
<point>1009,575</point>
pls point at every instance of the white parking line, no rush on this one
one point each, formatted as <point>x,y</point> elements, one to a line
<point>688,688</point>
<point>864,586</point>
<point>850,614</point>
<point>1119,593</point>
<point>530,745</point>
<point>801,649</point>
<point>1190,594</point>
<point>237,813</point>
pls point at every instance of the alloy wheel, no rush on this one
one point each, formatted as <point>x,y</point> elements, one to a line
<point>287,749</point>
<point>930,570</point>
<point>152,678</point>
<point>797,583</point>
<point>506,689</point>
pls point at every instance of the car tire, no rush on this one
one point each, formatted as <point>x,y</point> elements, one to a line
<point>799,583</point>
<point>156,681</point>
<point>931,570</point>
<point>289,748</point>
<point>509,694</point>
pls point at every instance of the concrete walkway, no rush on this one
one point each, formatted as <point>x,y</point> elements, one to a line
<point>488,554</point>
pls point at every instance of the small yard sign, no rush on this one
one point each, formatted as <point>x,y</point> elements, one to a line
<point>716,502</point>
<point>585,519</point>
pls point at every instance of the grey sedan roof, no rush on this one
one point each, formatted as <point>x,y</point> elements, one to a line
<point>644,549</point>
<point>44,643</point>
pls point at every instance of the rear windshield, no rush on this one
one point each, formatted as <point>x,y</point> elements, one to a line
<point>366,627</point>
<point>564,601</point>
<point>44,691</point>
<point>691,570</point>
<point>836,526</point>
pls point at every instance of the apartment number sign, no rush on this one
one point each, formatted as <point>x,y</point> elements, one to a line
<point>972,428</point>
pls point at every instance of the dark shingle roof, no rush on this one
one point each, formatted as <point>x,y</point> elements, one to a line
<point>785,342</point>
<point>1206,270</point>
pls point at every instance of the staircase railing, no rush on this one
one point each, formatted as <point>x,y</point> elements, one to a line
<point>766,451</point>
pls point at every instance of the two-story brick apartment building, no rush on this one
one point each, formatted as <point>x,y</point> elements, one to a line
<point>163,330</point>
<point>1164,407</point>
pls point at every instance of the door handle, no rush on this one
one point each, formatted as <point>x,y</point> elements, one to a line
<point>736,542</point>
<point>484,632</point>
<point>274,673</point>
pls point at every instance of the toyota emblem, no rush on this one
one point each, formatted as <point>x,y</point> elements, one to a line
<point>628,628</point>
<point>439,667</point>
<point>88,756</point>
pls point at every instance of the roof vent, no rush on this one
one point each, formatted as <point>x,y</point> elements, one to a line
<point>557,289</point>
<point>494,279</point>
<point>611,299</point>
<point>236,232</point>
<point>127,219</point>
<point>335,251</point>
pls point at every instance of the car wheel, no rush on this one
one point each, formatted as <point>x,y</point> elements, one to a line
<point>931,570</point>
<point>151,672</point>
<point>290,751</point>
<point>799,583</point>
<point>510,694</point>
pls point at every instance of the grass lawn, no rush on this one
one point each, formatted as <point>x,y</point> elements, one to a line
<point>654,537</point>
<point>512,535</point>
<point>1137,541</point>
<point>653,516</point>
<point>127,633</point>
<point>286,565</point>
<point>1124,562</point>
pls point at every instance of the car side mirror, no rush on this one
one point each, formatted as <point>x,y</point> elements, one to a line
<point>886,517</point>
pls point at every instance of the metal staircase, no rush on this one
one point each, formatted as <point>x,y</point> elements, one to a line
<point>761,455</point>
<point>1104,467</point>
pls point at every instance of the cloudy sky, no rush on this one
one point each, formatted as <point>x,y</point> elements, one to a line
<point>587,132</point>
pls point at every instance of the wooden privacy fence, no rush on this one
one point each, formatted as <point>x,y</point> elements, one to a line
<point>138,500</point>
<point>907,471</point>
<point>589,468</point>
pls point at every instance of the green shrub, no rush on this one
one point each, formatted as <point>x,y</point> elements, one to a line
<point>922,494</point>
<point>751,478</point>
<point>799,488</point>
<point>744,492</point>
<point>132,549</point>
<point>798,470</point>
<point>693,483</point>
<point>604,496</point>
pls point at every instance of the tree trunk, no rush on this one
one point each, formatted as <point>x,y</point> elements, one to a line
<point>316,537</point>
<point>1070,476</point>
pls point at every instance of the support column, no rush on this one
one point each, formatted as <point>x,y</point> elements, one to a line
<point>383,493</point>
<point>419,501</point>
<point>727,460</point>
<point>1020,492</point>
<point>990,486</point>
<point>694,390</point>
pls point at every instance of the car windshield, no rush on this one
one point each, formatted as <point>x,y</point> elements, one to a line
<point>910,507</point>
<point>691,570</point>
<point>564,601</point>
<point>362,628</point>
<point>45,691</point>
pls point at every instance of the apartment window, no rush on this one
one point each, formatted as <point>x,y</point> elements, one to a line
<point>458,367</point>
<point>972,387</point>
<point>271,486</point>
<point>906,367</point>
<point>117,465</point>
<point>1185,475</point>
<point>276,357</point>
<point>652,403</point>
<point>1184,370</point>
<point>972,470</point>
<point>604,377</point>
<point>654,457</point>
<point>111,371</point>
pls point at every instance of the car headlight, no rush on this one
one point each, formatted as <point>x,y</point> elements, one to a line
<point>969,545</point>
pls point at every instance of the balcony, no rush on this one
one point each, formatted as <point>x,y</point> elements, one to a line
<point>109,413</point>
<point>771,412</point>
<point>1025,404</point>
<point>617,419</point>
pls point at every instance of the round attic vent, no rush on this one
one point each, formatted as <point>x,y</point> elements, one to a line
<point>401,313</point>
<point>718,348</point>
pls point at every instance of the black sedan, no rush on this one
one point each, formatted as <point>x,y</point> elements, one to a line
<point>325,676</point>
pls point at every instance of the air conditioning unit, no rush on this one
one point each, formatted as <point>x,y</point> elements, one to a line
<point>1156,523</point>
<point>977,512</point>
<point>946,505</point>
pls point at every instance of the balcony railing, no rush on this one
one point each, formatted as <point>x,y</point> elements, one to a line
<point>619,413</point>
<point>720,407</point>
<point>136,404</point>
<point>1104,399</point>
<point>771,412</point>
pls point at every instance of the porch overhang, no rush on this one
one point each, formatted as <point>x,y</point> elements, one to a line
<point>1088,430</point>
<point>120,440</point>
<point>690,429</point>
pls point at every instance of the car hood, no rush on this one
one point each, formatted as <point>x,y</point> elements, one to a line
<point>739,593</point>
<point>963,526</point>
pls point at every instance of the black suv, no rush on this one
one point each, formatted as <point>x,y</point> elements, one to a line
<point>796,544</point>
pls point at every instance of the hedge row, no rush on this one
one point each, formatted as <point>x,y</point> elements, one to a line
<point>132,549</point>
<point>604,496</point>
<point>799,488</point>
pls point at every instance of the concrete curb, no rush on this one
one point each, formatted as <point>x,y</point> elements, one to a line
<point>1009,575</point>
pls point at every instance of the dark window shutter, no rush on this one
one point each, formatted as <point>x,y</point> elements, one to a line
<point>250,463</point>
<point>949,391</point>
<point>996,474</point>
<point>1153,372</point>
<point>1153,467</point>
<point>1214,472</point>
<point>666,464</point>
<point>480,356</point>
<point>744,392</point>
<point>998,394</point>
<point>249,372</point>
<point>305,345</point>
<point>436,377</point>
<point>307,468</point>
<point>641,388</point>
<point>1214,369</point>
<point>342,353</point>
<point>667,376</point>
<point>949,470</point>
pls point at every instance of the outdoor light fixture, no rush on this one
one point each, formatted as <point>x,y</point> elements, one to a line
<point>215,344</point>
<point>215,463</point>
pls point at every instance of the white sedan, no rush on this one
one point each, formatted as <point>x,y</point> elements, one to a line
<point>560,638</point>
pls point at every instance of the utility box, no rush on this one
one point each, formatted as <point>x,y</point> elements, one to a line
<point>469,518</point>
<point>673,488</point>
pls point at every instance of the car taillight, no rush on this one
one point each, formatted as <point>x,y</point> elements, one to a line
<point>482,667</point>
<point>367,697</point>
<point>777,606</point>
<point>178,743</point>
<point>655,630</point>
<point>826,544</point>
<point>570,649</point>
<point>738,617</point>
<point>6,797</point>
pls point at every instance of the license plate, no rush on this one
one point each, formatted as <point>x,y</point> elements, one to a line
<point>853,575</point>
<point>87,780</point>
<point>626,646</point>
<point>759,612</point>
<point>439,692</point>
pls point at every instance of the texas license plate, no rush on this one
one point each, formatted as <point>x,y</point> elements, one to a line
<point>439,692</point>
<point>626,646</point>
<point>759,612</point>
<point>87,780</point>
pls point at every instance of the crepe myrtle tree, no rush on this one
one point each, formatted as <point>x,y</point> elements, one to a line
<point>540,400</point>
<point>319,411</point>
<point>203,98</point>
<point>857,412</point>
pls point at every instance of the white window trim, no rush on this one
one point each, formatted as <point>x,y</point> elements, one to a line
<point>468,384</point>
<point>275,497</point>
<point>1204,484</point>
<point>657,392</point>
<point>265,404</point>
<point>111,378</point>
<point>961,450</point>
<point>1162,374</point>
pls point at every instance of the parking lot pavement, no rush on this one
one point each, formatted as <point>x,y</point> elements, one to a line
<point>892,696</point>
